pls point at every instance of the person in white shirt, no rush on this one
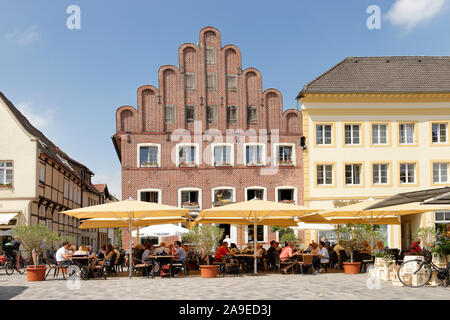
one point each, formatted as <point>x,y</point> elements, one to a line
<point>323,257</point>
<point>227,240</point>
<point>62,255</point>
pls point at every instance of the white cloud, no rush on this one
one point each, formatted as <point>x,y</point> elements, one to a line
<point>39,118</point>
<point>410,13</point>
<point>24,37</point>
<point>113,179</point>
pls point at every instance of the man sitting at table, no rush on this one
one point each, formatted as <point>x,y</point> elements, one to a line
<point>222,251</point>
<point>62,255</point>
<point>180,254</point>
<point>287,255</point>
<point>271,252</point>
<point>322,257</point>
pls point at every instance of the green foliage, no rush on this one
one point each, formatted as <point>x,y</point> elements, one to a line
<point>360,232</point>
<point>427,235</point>
<point>37,238</point>
<point>441,246</point>
<point>204,239</point>
<point>61,239</point>
<point>382,254</point>
<point>290,237</point>
<point>118,232</point>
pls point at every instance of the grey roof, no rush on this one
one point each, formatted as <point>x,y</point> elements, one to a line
<point>384,74</point>
<point>46,145</point>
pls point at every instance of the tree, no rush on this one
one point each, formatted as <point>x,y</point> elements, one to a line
<point>204,239</point>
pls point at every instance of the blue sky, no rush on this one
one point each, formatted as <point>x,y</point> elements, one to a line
<point>69,83</point>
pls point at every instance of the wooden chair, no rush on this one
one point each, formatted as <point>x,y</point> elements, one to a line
<point>222,265</point>
<point>142,266</point>
<point>307,260</point>
<point>179,264</point>
<point>52,266</point>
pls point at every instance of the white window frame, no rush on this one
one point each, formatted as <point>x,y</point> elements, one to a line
<point>352,136</point>
<point>439,136</point>
<point>263,154</point>
<point>378,136</point>
<point>140,145</point>
<point>190,189</point>
<point>150,190</point>
<point>286,187</point>
<point>323,135</point>
<point>406,173</point>
<point>361,174</point>
<point>213,160</point>
<point>197,152</point>
<point>406,136</point>
<point>440,177</point>
<point>213,190</point>
<point>266,235</point>
<point>258,188</point>
<point>379,174</point>
<point>275,154</point>
<point>324,178</point>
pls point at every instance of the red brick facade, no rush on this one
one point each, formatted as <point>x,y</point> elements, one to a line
<point>161,113</point>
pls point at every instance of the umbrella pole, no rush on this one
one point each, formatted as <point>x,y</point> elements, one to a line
<point>255,268</point>
<point>130,259</point>
<point>371,235</point>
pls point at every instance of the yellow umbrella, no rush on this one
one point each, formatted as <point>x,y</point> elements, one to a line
<point>256,212</point>
<point>130,212</point>
<point>358,211</point>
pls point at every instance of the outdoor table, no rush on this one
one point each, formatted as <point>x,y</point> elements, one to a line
<point>83,263</point>
<point>246,260</point>
<point>164,258</point>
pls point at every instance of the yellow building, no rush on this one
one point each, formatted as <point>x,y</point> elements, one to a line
<point>374,127</point>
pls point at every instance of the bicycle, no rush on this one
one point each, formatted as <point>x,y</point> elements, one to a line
<point>416,273</point>
<point>10,265</point>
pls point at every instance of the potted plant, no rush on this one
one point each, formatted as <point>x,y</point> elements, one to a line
<point>351,267</point>
<point>285,163</point>
<point>187,164</point>
<point>149,164</point>
<point>190,204</point>
<point>441,250</point>
<point>287,201</point>
<point>204,240</point>
<point>35,239</point>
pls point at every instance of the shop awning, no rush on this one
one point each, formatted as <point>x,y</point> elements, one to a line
<point>6,217</point>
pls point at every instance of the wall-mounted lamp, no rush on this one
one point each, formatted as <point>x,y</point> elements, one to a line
<point>303,143</point>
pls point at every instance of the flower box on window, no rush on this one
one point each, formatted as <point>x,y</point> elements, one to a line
<point>222,164</point>
<point>255,163</point>
<point>285,162</point>
<point>187,164</point>
<point>287,201</point>
<point>222,202</point>
<point>149,164</point>
<point>189,204</point>
<point>7,185</point>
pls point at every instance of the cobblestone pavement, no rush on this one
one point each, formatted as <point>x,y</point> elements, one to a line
<point>265,286</point>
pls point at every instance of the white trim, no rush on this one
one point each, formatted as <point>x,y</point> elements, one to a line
<point>191,189</point>
<point>275,155</point>
<point>138,157</point>
<point>149,190</point>
<point>233,197</point>
<point>213,145</point>
<point>286,187</point>
<point>197,152</point>
<point>265,237</point>
<point>263,155</point>
<point>255,187</point>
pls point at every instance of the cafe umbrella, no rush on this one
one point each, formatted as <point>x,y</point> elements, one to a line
<point>255,212</point>
<point>127,213</point>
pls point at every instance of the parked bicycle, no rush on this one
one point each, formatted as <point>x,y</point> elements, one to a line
<point>416,273</point>
<point>13,259</point>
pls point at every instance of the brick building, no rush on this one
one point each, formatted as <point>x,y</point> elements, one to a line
<point>210,135</point>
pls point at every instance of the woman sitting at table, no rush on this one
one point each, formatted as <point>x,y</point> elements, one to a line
<point>234,249</point>
<point>314,249</point>
<point>109,252</point>
<point>148,251</point>
<point>83,251</point>
<point>366,247</point>
<point>379,247</point>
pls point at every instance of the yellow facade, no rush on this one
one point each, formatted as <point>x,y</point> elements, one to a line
<point>414,153</point>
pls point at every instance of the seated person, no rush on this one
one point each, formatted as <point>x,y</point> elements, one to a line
<point>221,252</point>
<point>366,247</point>
<point>314,249</point>
<point>180,254</point>
<point>108,254</point>
<point>415,246</point>
<point>148,251</point>
<point>323,257</point>
<point>171,249</point>
<point>379,247</point>
<point>101,253</point>
<point>287,255</point>
<point>83,251</point>
<point>277,247</point>
<point>259,251</point>
<point>337,248</point>
<point>63,255</point>
<point>72,249</point>
<point>162,249</point>
<point>271,252</point>
<point>234,249</point>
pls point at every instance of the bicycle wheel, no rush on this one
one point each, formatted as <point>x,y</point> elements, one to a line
<point>414,273</point>
<point>9,267</point>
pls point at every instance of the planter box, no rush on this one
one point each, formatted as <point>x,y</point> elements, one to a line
<point>187,165</point>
